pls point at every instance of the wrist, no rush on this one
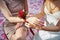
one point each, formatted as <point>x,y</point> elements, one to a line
<point>41,27</point>
<point>22,20</point>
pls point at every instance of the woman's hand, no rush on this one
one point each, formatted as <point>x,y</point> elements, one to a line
<point>20,34</point>
<point>18,25</point>
<point>15,19</point>
<point>34,27</point>
<point>5,11</point>
<point>34,22</point>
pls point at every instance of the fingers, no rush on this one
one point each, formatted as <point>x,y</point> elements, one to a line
<point>33,20</point>
<point>34,26</point>
<point>39,23</point>
<point>18,25</point>
<point>28,25</point>
<point>21,32</point>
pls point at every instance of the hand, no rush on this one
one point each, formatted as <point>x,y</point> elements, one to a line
<point>28,25</point>
<point>33,20</point>
<point>15,19</point>
<point>33,27</point>
<point>21,33</point>
<point>18,25</point>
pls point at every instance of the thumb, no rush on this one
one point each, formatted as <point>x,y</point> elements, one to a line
<point>18,25</point>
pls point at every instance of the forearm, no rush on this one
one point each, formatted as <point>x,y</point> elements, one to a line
<point>26,6</point>
<point>10,18</point>
<point>15,19</point>
<point>7,13</point>
<point>51,28</point>
<point>4,9</point>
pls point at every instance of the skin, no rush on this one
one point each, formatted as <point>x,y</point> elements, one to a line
<point>8,14</point>
<point>21,30</point>
<point>48,28</point>
<point>57,27</point>
<point>20,34</point>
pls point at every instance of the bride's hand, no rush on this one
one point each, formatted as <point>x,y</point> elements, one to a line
<point>33,27</point>
<point>33,20</point>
